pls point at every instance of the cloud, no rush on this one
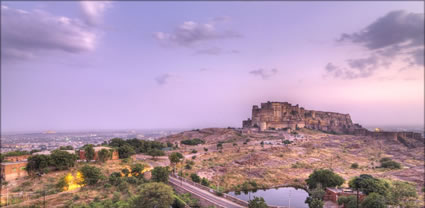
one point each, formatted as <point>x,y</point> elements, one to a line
<point>163,79</point>
<point>190,33</point>
<point>397,36</point>
<point>27,34</point>
<point>215,51</point>
<point>396,28</point>
<point>264,73</point>
<point>93,11</point>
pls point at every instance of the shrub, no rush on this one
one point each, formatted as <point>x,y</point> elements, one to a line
<point>193,157</point>
<point>193,142</point>
<point>257,202</point>
<point>205,182</point>
<point>195,178</point>
<point>374,200</point>
<point>354,166</point>
<point>91,174</point>
<point>390,164</point>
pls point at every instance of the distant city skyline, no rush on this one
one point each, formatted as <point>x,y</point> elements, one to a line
<point>97,65</point>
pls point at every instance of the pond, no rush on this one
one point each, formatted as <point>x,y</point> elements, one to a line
<point>279,197</point>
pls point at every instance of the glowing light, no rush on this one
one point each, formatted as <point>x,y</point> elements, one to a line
<point>73,182</point>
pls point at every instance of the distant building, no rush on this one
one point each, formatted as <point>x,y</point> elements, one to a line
<point>47,152</point>
<point>333,194</point>
<point>16,158</point>
<point>13,170</point>
<point>114,155</point>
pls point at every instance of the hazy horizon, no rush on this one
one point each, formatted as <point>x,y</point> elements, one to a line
<point>70,66</point>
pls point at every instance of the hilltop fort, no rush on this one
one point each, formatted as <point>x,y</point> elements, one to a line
<point>283,115</point>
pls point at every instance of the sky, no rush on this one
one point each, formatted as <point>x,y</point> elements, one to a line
<point>101,65</point>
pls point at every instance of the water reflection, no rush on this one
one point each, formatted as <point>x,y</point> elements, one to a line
<point>285,196</point>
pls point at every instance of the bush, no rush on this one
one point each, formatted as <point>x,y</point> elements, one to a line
<point>354,166</point>
<point>126,151</point>
<point>193,157</point>
<point>193,142</point>
<point>391,165</point>
<point>205,182</point>
<point>348,201</point>
<point>205,149</point>
<point>194,151</point>
<point>154,195</point>
<point>91,174</point>
<point>195,178</point>
<point>160,174</point>
<point>257,202</point>
<point>115,178</point>
<point>374,200</point>
<point>63,160</point>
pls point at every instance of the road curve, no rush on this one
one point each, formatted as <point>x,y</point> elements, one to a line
<point>204,194</point>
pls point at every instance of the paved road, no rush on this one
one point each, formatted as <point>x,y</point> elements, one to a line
<point>204,194</point>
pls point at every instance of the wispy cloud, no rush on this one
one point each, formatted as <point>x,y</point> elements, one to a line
<point>163,79</point>
<point>215,51</point>
<point>190,33</point>
<point>397,36</point>
<point>93,11</point>
<point>264,73</point>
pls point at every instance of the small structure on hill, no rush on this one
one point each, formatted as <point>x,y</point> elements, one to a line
<point>13,170</point>
<point>333,194</point>
<point>16,158</point>
<point>114,155</point>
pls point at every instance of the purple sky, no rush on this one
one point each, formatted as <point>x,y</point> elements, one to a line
<point>140,65</point>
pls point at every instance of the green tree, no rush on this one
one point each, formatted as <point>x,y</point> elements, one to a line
<point>155,153</point>
<point>318,192</point>
<point>195,178</point>
<point>219,146</point>
<point>160,174</point>
<point>103,155</point>
<point>125,151</point>
<point>326,177</point>
<point>175,158</point>
<point>374,200</point>
<point>91,174</point>
<point>89,152</point>
<point>156,195</point>
<point>68,147</point>
<point>348,201</point>
<point>63,160</point>
<point>316,203</point>
<point>117,142</point>
<point>257,202</point>
<point>402,194</point>
<point>368,184</point>
<point>205,182</point>
<point>38,164</point>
